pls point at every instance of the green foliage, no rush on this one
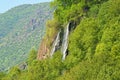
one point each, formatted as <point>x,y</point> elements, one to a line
<point>96,69</point>
<point>2,75</point>
<point>13,74</point>
<point>47,69</point>
<point>73,8</point>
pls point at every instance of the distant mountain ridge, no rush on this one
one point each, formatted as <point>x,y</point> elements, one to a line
<point>21,28</point>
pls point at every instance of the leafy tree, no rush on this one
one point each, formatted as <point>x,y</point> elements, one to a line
<point>13,74</point>
<point>32,55</point>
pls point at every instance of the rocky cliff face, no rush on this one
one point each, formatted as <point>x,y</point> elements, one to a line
<point>43,50</point>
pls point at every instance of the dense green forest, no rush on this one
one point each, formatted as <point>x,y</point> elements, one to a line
<point>21,28</point>
<point>94,44</point>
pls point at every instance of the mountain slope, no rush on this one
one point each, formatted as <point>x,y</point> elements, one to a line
<point>21,28</point>
<point>82,42</point>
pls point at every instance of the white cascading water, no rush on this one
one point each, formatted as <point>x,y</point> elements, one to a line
<point>55,44</point>
<point>65,41</point>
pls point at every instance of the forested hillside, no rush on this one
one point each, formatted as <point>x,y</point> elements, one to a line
<point>21,28</point>
<point>82,42</point>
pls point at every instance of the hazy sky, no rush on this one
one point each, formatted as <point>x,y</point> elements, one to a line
<point>8,4</point>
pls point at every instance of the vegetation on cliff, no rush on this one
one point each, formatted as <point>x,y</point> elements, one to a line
<point>94,45</point>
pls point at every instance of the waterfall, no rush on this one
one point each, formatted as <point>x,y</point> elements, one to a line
<point>65,42</point>
<point>55,44</point>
